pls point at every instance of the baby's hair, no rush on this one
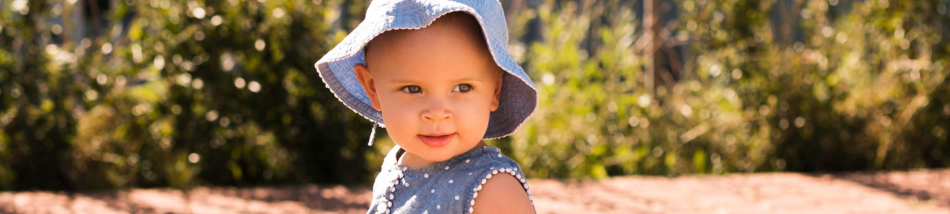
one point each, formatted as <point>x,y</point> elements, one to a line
<point>468,23</point>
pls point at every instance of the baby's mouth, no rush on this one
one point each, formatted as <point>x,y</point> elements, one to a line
<point>436,140</point>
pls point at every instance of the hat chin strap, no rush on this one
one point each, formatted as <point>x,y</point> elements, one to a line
<point>372,135</point>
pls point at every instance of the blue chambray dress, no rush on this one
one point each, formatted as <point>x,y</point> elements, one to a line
<point>450,186</point>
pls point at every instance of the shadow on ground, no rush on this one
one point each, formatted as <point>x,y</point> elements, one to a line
<point>915,185</point>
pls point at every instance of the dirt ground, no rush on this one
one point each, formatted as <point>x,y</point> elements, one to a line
<point>891,192</point>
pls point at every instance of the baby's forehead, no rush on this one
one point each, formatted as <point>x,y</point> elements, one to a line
<point>462,26</point>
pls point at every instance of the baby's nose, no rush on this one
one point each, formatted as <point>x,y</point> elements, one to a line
<point>436,113</point>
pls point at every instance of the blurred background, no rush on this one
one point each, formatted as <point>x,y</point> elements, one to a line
<point>114,94</point>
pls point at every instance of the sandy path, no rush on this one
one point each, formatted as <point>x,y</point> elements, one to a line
<point>893,192</point>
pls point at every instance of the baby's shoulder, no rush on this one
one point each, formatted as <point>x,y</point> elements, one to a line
<point>495,176</point>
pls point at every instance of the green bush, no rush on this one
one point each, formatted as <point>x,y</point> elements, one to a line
<point>189,93</point>
<point>864,89</point>
<point>185,93</point>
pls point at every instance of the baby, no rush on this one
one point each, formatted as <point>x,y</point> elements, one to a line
<point>439,74</point>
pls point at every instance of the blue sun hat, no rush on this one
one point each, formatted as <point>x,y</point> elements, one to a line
<point>519,95</point>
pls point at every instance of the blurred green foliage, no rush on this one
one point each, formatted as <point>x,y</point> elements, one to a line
<point>766,86</point>
<point>184,93</point>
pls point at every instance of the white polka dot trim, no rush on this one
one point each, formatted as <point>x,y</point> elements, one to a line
<point>513,172</point>
<point>386,202</point>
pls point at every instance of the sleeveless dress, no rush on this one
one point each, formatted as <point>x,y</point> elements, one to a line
<point>449,186</point>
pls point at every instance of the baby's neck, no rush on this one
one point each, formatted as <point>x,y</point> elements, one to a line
<point>413,161</point>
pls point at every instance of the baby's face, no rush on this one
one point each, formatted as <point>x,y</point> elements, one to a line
<point>435,87</point>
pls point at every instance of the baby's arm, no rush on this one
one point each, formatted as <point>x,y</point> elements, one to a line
<point>502,194</point>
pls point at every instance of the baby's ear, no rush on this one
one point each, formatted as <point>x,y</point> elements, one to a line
<point>497,93</point>
<point>366,80</point>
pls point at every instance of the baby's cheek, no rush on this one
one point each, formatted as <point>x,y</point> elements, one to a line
<point>399,122</point>
<point>473,120</point>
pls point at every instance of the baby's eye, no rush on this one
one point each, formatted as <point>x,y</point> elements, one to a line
<point>462,88</point>
<point>412,89</point>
